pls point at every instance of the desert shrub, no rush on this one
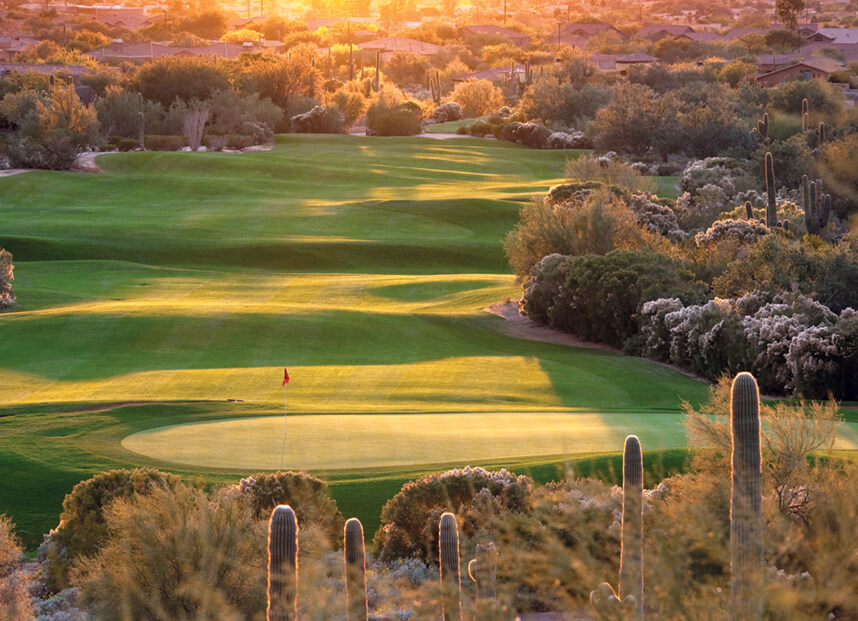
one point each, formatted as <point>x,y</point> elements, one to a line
<point>181,77</point>
<point>406,68</point>
<point>391,115</point>
<point>655,217</point>
<point>175,554</point>
<point>566,140</point>
<point>53,133</point>
<point>127,144</point>
<point>82,528</point>
<point>823,98</point>
<point>477,97</point>
<point>234,113</point>
<point>7,275</point>
<point>552,100</point>
<point>570,293</point>
<point>14,598</point>
<point>450,111</point>
<point>778,264</point>
<point>740,231</point>
<point>319,120</point>
<point>165,143</point>
<point>534,135</point>
<point>306,494</point>
<point>790,342</point>
<point>228,141</point>
<point>608,171</point>
<point>17,105</point>
<point>118,113</point>
<point>591,222</point>
<point>351,103</point>
<point>409,520</point>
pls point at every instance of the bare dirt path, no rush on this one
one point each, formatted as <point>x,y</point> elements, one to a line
<point>519,326</point>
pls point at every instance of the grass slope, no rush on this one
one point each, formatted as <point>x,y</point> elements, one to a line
<point>174,287</point>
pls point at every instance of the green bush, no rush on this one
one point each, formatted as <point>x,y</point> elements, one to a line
<point>128,144</point>
<point>165,143</point>
<point>409,520</point>
<point>82,528</point>
<point>306,494</point>
<point>14,599</point>
<point>175,554</point>
<point>7,275</point>
<point>598,297</point>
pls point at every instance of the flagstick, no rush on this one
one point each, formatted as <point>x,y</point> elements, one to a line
<point>285,430</point>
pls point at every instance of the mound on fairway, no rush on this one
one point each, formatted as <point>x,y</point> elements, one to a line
<point>180,284</point>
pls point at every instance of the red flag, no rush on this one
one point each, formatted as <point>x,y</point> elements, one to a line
<point>285,377</point>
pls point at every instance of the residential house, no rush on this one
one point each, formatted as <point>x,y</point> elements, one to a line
<point>817,69</point>
<point>388,46</point>
<point>513,36</point>
<point>660,31</point>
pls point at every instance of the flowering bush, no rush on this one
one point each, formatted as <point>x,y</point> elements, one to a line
<point>790,343</point>
<point>450,111</point>
<point>655,217</point>
<point>741,231</point>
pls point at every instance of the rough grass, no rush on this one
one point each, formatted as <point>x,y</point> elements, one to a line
<point>180,284</point>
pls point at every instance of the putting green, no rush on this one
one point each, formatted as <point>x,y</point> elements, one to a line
<point>335,442</point>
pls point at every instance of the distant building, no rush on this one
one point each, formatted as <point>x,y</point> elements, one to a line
<point>804,70</point>
<point>390,45</point>
<point>73,71</point>
<point>621,62</point>
<point>660,31</point>
<point>587,31</point>
<point>513,36</point>
<point>143,52</point>
<point>707,36</point>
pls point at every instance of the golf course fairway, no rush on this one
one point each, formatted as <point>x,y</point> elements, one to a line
<point>167,293</point>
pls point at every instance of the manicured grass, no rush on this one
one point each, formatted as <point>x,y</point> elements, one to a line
<point>181,284</point>
<point>450,127</point>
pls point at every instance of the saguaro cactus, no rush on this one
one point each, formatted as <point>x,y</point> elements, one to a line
<point>805,115</point>
<point>483,570</point>
<point>355,559</point>
<point>377,83</point>
<point>763,128</point>
<point>631,552</point>
<point>746,524</point>
<point>283,565</point>
<point>771,206</point>
<point>811,215</point>
<point>140,119</point>
<point>749,210</point>
<point>451,580</point>
<point>821,133</point>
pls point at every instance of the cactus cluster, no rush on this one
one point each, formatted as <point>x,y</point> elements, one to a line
<point>771,205</point>
<point>817,206</point>
<point>746,524</point>
<point>435,87</point>
<point>626,603</point>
